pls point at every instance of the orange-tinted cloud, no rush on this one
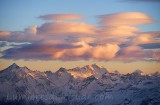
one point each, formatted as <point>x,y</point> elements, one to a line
<point>100,52</point>
<point>118,31</point>
<point>28,35</point>
<point>116,38</point>
<point>31,30</point>
<point>122,25</point>
<point>66,28</point>
<point>75,52</point>
<point>125,18</point>
<point>62,51</point>
<point>5,33</point>
<point>105,52</point>
<point>156,55</point>
<point>61,17</point>
<point>145,38</point>
<point>131,53</point>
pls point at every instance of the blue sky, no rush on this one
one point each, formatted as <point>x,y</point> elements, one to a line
<point>18,14</point>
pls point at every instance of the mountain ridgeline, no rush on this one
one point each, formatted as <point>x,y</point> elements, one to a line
<point>88,85</point>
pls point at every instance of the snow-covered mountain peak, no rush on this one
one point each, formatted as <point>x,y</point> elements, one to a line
<point>48,73</point>
<point>62,70</point>
<point>96,66</point>
<point>88,70</point>
<point>138,72</point>
<point>10,69</point>
<point>116,72</point>
<point>23,70</point>
<point>13,66</point>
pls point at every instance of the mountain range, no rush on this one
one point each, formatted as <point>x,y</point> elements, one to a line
<point>88,85</point>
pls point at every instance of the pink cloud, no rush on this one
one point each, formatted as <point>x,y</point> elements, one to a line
<point>122,24</point>
<point>66,28</point>
<point>55,50</point>
<point>28,35</point>
<point>61,17</point>
<point>75,52</point>
<point>118,31</point>
<point>31,30</point>
<point>131,53</point>
<point>5,33</point>
<point>126,18</point>
<point>156,55</point>
<point>116,38</point>
<point>63,50</point>
<point>105,52</point>
<point>135,53</point>
<point>145,38</point>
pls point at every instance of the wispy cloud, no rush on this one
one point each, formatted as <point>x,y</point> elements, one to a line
<point>61,17</point>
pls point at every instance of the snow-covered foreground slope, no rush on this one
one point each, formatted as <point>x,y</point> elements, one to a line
<point>89,85</point>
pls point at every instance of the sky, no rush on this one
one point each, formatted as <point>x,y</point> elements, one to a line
<point>44,35</point>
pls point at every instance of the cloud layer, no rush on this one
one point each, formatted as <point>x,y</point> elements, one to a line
<point>115,38</point>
